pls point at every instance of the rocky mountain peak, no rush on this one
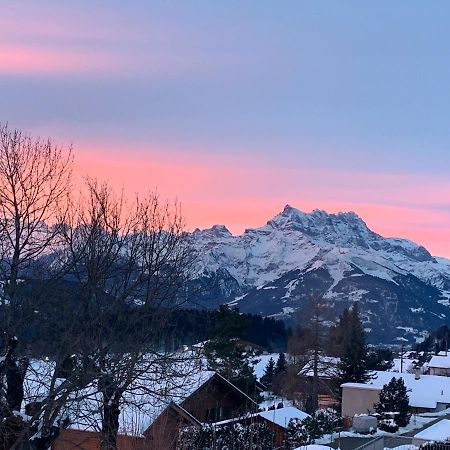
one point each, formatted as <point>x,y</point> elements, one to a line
<point>271,270</point>
<point>216,231</point>
<point>343,228</point>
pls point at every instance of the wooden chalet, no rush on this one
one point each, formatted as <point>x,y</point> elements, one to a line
<point>214,400</point>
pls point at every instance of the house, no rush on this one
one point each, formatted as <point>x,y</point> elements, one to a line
<point>198,348</point>
<point>438,432</point>
<point>213,401</point>
<point>327,367</point>
<point>328,373</point>
<point>277,420</point>
<point>440,365</point>
<point>149,423</point>
<point>427,393</point>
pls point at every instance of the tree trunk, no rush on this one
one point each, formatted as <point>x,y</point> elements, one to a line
<point>317,348</point>
<point>110,423</point>
<point>315,387</point>
<point>15,376</point>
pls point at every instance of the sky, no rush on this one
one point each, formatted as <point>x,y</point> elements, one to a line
<point>239,108</point>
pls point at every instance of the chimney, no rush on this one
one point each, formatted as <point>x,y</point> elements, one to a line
<point>417,373</point>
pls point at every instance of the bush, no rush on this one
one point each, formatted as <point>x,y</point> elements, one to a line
<point>388,425</point>
<point>306,431</point>
<point>255,436</point>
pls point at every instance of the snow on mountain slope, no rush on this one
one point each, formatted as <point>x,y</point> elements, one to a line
<point>279,265</point>
<point>293,240</point>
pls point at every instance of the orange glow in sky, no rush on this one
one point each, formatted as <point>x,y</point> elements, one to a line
<point>241,193</point>
<point>237,109</point>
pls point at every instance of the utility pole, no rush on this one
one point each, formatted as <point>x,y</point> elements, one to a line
<point>401,359</point>
<point>446,341</point>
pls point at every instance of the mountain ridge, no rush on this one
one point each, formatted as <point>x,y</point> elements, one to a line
<point>330,250</point>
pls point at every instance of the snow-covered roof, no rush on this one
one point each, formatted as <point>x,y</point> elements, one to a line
<point>440,362</point>
<point>425,392</point>
<point>327,367</point>
<point>440,431</point>
<point>282,416</point>
<point>147,397</point>
<point>407,366</point>
<point>366,387</point>
<point>200,345</point>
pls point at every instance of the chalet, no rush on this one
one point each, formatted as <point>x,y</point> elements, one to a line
<point>277,420</point>
<point>328,373</point>
<point>427,393</point>
<point>215,400</point>
<point>440,365</point>
<point>208,399</point>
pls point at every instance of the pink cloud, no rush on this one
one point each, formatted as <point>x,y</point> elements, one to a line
<point>30,60</point>
<point>242,192</point>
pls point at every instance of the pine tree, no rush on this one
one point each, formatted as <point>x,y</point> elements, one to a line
<point>394,398</point>
<point>353,365</point>
<point>338,334</point>
<point>281,365</point>
<point>269,372</point>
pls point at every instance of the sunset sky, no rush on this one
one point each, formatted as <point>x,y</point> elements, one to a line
<point>237,108</point>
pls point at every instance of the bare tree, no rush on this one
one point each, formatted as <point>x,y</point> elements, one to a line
<point>111,270</point>
<point>130,260</point>
<point>34,179</point>
<point>308,344</point>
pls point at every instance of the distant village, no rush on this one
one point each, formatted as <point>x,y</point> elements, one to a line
<point>210,406</point>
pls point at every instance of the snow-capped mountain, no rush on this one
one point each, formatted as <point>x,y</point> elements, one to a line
<point>402,289</point>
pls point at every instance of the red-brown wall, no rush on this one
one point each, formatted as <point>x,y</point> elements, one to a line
<point>89,440</point>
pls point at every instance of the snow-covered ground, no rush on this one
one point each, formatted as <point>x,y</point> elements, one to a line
<point>270,400</point>
<point>406,367</point>
<point>262,362</point>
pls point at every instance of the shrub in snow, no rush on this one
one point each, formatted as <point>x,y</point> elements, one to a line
<point>306,431</point>
<point>328,419</point>
<point>388,425</point>
<point>255,436</point>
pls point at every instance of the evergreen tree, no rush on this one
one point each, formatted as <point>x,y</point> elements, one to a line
<point>394,398</point>
<point>281,365</point>
<point>380,358</point>
<point>269,372</point>
<point>353,365</point>
<point>225,356</point>
<point>337,336</point>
